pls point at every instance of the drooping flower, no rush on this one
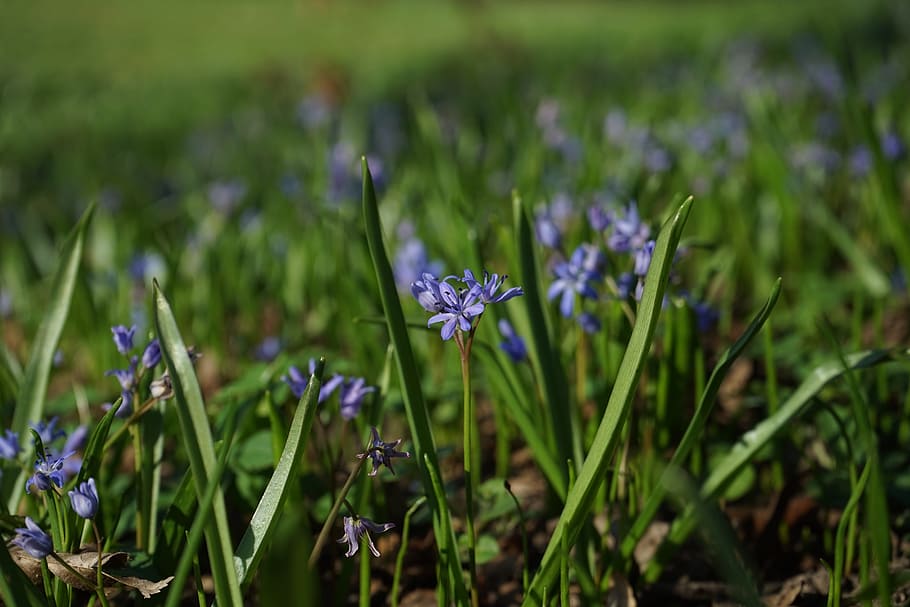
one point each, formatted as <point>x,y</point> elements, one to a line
<point>128,382</point>
<point>356,527</point>
<point>123,338</point>
<point>33,540</point>
<point>382,453</point>
<point>572,278</point>
<point>48,472</point>
<point>84,499</point>
<point>512,343</point>
<point>162,387</point>
<point>151,356</point>
<point>9,445</point>
<point>459,309</point>
<point>351,396</point>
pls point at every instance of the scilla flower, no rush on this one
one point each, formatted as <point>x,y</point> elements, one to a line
<point>356,527</point>
<point>48,472</point>
<point>84,499</point>
<point>33,539</point>
<point>382,453</point>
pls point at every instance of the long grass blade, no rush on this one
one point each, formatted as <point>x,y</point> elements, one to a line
<point>30,403</point>
<point>409,377</point>
<point>265,519</point>
<point>694,430</point>
<point>754,440</point>
<point>197,440</point>
<point>583,491</point>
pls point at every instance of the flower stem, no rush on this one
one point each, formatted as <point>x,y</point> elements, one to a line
<point>100,573</point>
<point>333,514</point>
<point>464,346</point>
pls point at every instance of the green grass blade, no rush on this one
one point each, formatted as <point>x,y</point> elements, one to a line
<point>177,520</point>
<point>265,519</point>
<point>593,471</point>
<point>197,440</point>
<point>543,353</point>
<point>694,430</point>
<point>756,439</point>
<point>30,403</point>
<point>409,377</point>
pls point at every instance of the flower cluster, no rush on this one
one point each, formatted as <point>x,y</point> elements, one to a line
<point>458,308</point>
<point>55,465</point>
<point>129,377</point>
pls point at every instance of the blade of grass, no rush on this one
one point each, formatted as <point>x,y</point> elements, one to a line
<point>409,377</point>
<point>695,428</point>
<point>754,440</point>
<point>265,519</point>
<point>197,440</point>
<point>543,353</point>
<point>593,470</point>
<point>30,403</point>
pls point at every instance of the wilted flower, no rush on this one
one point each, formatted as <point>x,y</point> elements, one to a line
<point>351,396</point>
<point>356,527</point>
<point>572,278</point>
<point>9,445</point>
<point>33,540</point>
<point>84,499</point>
<point>512,344</point>
<point>48,472</point>
<point>382,453</point>
<point>162,387</point>
<point>123,338</point>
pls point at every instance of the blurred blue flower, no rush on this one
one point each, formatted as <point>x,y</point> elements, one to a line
<point>572,278</point>
<point>84,499</point>
<point>512,343</point>
<point>268,348</point>
<point>589,323</point>
<point>33,540</point>
<point>48,431</point>
<point>128,382</point>
<point>225,195</point>
<point>48,472</point>
<point>356,527</point>
<point>892,146</point>
<point>382,453</point>
<point>9,445</point>
<point>412,261</point>
<point>351,396</point>
<point>548,233</point>
<point>860,161</point>
<point>6,303</point>
<point>706,316</point>
<point>151,356</point>
<point>625,284</point>
<point>599,217</point>
<point>629,231</point>
<point>491,284</point>
<point>642,258</point>
<point>459,309</point>
<point>123,338</point>
<point>313,111</point>
<point>297,382</point>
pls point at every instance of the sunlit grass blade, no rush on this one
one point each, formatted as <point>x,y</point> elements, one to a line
<point>197,440</point>
<point>543,353</point>
<point>30,402</point>
<point>409,377</point>
<point>265,519</point>
<point>592,474</point>
<point>718,537</point>
<point>695,428</point>
<point>754,440</point>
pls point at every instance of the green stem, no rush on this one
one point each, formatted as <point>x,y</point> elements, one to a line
<point>464,346</point>
<point>333,514</point>
<point>100,577</point>
<point>141,514</point>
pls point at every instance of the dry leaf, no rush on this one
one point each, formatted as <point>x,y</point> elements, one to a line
<point>620,593</point>
<point>146,587</point>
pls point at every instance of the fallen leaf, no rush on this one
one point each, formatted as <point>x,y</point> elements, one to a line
<point>146,587</point>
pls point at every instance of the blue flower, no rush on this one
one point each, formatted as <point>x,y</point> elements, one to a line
<point>356,527</point>
<point>351,396</point>
<point>297,382</point>
<point>625,284</point>
<point>599,217</point>
<point>123,338</point>
<point>705,315</point>
<point>412,261</point>
<point>128,382</point>
<point>643,258</point>
<point>382,453</point>
<point>33,540</point>
<point>48,431</point>
<point>491,284</point>
<point>48,472</point>
<point>84,499</point>
<point>512,344</point>
<point>547,231</point>
<point>9,446</point>
<point>268,348</point>
<point>572,278</point>
<point>589,323</point>
<point>426,292</point>
<point>151,356</point>
<point>629,231</point>
<point>459,310</point>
